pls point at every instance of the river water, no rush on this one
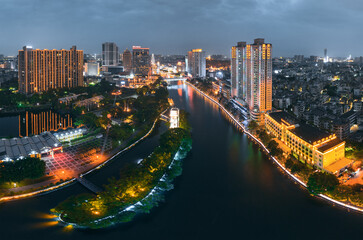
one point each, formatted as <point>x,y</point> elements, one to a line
<point>228,190</point>
<point>33,123</point>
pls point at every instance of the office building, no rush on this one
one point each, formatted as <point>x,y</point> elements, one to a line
<point>127,60</point>
<point>110,54</point>
<point>140,60</point>
<point>197,63</point>
<point>42,70</point>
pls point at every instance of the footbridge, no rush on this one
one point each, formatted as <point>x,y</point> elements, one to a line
<point>164,118</point>
<point>89,185</point>
<point>174,79</point>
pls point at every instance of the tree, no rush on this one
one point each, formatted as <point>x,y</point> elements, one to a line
<point>289,163</point>
<point>21,169</point>
<point>272,145</point>
<point>320,182</point>
<point>183,120</point>
<point>252,125</point>
<point>265,138</point>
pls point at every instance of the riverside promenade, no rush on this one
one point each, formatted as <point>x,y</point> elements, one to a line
<point>74,178</point>
<point>264,148</point>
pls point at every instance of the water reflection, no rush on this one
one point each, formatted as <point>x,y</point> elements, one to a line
<point>35,123</point>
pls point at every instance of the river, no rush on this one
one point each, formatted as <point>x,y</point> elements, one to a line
<point>228,190</point>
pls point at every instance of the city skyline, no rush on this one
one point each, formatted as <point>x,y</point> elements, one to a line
<point>294,26</point>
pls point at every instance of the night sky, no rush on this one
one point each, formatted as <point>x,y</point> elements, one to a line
<point>175,26</point>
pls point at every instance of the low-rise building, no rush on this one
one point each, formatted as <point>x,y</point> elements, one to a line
<point>90,102</point>
<point>69,134</point>
<point>307,143</point>
<point>341,128</point>
<point>174,118</point>
<point>35,146</point>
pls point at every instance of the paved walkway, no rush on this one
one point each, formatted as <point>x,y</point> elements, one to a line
<point>75,160</point>
<point>71,163</point>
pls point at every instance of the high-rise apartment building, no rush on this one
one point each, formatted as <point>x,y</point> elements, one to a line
<point>110,54</point>
<point>238,70</point>
<point>140,60</point>
<point>42,70</point>
<point>252,76</point>
<point>197,63</point>
<point>326,58</point>
<point>127,60</point>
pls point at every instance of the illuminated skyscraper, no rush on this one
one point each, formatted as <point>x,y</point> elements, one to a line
<point>259,79</point>
<point>252,76</point>
<point>197,63</point>
<point>140,60</point>
<point>127,60</point>
<point>42,70</point>
<point>110,54</point>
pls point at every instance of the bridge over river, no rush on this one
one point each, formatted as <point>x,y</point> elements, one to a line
<point>89,185</point>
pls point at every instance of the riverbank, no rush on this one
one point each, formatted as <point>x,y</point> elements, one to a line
<point>267,152</point>
<point>68,182</point>
<point>140,188</point>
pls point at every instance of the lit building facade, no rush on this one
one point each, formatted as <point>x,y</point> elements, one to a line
<point>140,60</point>
<point>92,69</point>
<point>307,143</point>
<point>69,134</point>
<point>238,70</point>
<point>174,118</point>
<point>42,70</point>
<point>127,60</point>
<point>110,54</point>
<point>251,75</point>
<point>197,63</point>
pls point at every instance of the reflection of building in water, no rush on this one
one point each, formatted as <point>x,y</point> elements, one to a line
<point>36,123</point>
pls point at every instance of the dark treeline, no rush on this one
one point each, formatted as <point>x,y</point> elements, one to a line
<point>19,170</point>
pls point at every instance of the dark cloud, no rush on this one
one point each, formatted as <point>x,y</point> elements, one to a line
<point>174,26</point>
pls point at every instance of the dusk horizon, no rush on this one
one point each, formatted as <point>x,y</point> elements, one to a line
<point>294,27</point>
<point>181,119</point>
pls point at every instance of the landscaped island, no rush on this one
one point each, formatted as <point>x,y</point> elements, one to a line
<point>111,119</point>
<point>139,189</point>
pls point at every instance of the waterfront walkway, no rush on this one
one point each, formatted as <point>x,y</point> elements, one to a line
<point>257,141</point>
